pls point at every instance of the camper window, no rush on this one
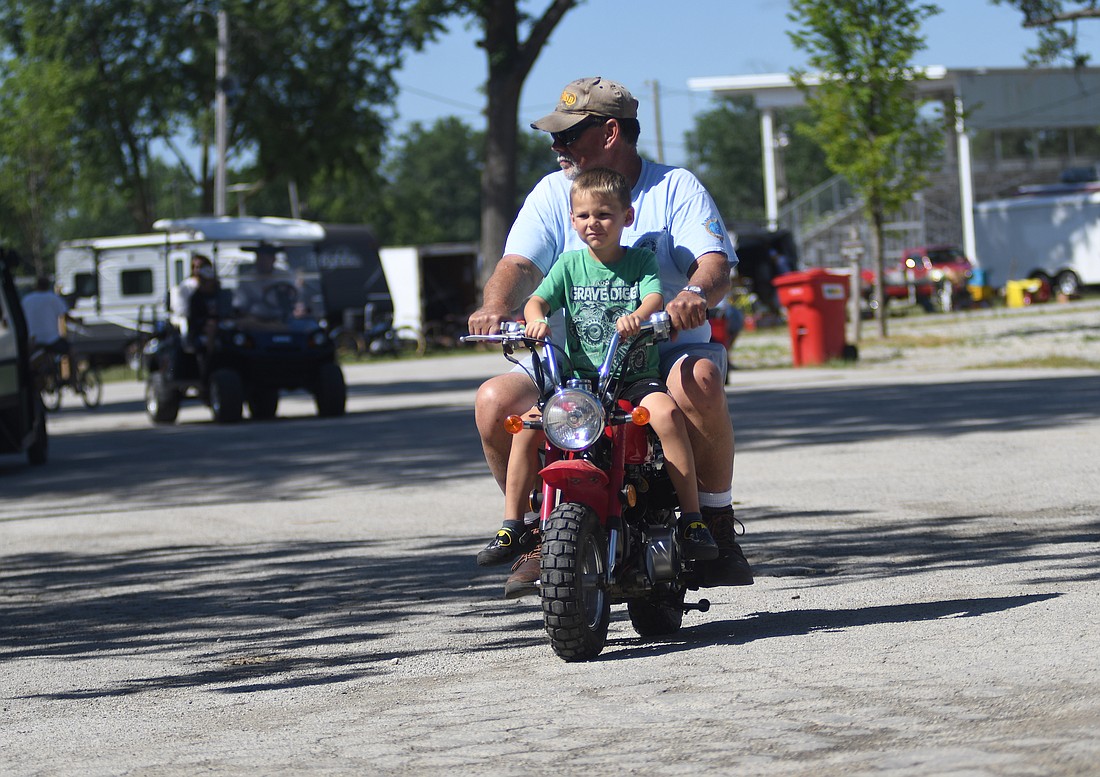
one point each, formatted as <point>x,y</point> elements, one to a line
<point>84,284</point>
<point>136,282</point>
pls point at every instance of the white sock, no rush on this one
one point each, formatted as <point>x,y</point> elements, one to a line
<point>716,499</point>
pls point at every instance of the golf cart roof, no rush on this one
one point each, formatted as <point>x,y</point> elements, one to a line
<point>269,229</point>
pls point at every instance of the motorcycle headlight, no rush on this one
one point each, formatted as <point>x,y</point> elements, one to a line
<point>573,419</point>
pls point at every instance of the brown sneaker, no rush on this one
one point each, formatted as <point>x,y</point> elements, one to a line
<point>526,575</point>
<point>731,567</point>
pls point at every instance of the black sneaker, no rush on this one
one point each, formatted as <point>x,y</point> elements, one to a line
<point>506,546</point>
<point>698,543</point>
<point>731,567</point>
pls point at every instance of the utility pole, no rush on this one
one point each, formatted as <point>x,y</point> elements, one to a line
<point>657,120</point>
<point>221,131</point>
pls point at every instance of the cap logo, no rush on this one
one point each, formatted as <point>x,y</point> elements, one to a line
<point>568,99</point>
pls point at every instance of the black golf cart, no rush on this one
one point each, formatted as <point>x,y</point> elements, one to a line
<point>245,365</point>
<point>246,359</point>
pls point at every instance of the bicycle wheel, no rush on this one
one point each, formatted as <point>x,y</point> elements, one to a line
<point>89,384</point>
<point>349,345</point>
<point>51,391</point>
<point>409,340</point>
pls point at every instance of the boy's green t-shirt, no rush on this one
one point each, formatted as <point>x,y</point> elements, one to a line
<point>594,296</point>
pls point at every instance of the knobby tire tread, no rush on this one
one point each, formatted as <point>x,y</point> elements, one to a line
<point>572,637</point>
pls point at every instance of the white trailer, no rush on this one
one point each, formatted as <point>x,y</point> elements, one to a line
<point>1053,235</point>
<point>434,287</point>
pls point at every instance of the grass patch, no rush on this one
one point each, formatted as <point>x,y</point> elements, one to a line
<point>918,341</point>
<point>118,373</point>
<point>1052,361</point>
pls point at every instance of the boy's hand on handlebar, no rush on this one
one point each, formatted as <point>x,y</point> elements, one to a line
<point>537,329</point>
<point>629,325</point>
<point>687,310</point>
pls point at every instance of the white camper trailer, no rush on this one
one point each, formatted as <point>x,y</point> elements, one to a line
<point>1051,233</point>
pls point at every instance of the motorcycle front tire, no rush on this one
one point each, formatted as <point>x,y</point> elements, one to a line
<point>576,606</point>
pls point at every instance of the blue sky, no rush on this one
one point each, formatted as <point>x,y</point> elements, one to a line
<point>666,42</point>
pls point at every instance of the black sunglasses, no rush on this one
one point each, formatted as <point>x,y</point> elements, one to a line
<point>572,135</point>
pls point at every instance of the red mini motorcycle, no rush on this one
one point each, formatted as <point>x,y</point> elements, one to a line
<point>607,506</point>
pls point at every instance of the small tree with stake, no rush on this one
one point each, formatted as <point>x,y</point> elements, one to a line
<point>865,113</point>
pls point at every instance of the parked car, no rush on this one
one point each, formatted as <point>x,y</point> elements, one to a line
<point>22,416</point>
<point>935,277</point>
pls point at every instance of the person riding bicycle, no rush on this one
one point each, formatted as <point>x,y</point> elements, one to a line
<point>603,288</point>
<point>45,311</point>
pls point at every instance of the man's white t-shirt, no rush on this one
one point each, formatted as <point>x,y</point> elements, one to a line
<point>43,309</point>
<point>674,217</point>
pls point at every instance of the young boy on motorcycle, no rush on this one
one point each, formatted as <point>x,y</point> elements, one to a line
<point>604,288</point>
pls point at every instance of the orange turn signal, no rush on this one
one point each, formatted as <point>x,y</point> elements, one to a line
<point>513,424</point>
<point>639,416</point>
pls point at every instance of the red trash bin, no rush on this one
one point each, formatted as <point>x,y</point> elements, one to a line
<point>816,302</point>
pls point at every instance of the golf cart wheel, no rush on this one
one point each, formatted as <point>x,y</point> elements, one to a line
<point>332,391</point>
<point>162,402</point>
<point>226,396</point>
<point>263,403</point>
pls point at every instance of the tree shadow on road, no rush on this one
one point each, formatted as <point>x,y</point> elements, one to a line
<point>241,618</point>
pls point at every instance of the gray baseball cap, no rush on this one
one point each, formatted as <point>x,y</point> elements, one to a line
<point>589,97</point>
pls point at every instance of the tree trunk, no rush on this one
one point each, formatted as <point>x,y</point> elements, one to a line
<point>498,178</point>
<point>877,222</point>
<point>510,60</point>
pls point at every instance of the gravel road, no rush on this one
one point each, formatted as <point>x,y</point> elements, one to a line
<point>299,596</point>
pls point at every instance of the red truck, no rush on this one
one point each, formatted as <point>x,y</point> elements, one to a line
<point>934,276</point>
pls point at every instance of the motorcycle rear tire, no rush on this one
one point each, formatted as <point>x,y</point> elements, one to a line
<point>576,607</point>
<point>657,618</point>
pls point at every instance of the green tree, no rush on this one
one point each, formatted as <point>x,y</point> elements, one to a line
<point>1057,25</point>
<point>36,153</point>
<point>724,151</point>
<point>865,108</point>
<point>313,82</point>
<point>432,195</point>
<point>432,192</point>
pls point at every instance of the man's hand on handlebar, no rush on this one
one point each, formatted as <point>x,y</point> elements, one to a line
<point>687,310</point>
<point>487,320</point>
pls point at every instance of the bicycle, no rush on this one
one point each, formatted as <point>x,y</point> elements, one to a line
<point>84,379</point>
<point>381,339</point>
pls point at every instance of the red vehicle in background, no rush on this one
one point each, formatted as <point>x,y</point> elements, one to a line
<point>934,277</point>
